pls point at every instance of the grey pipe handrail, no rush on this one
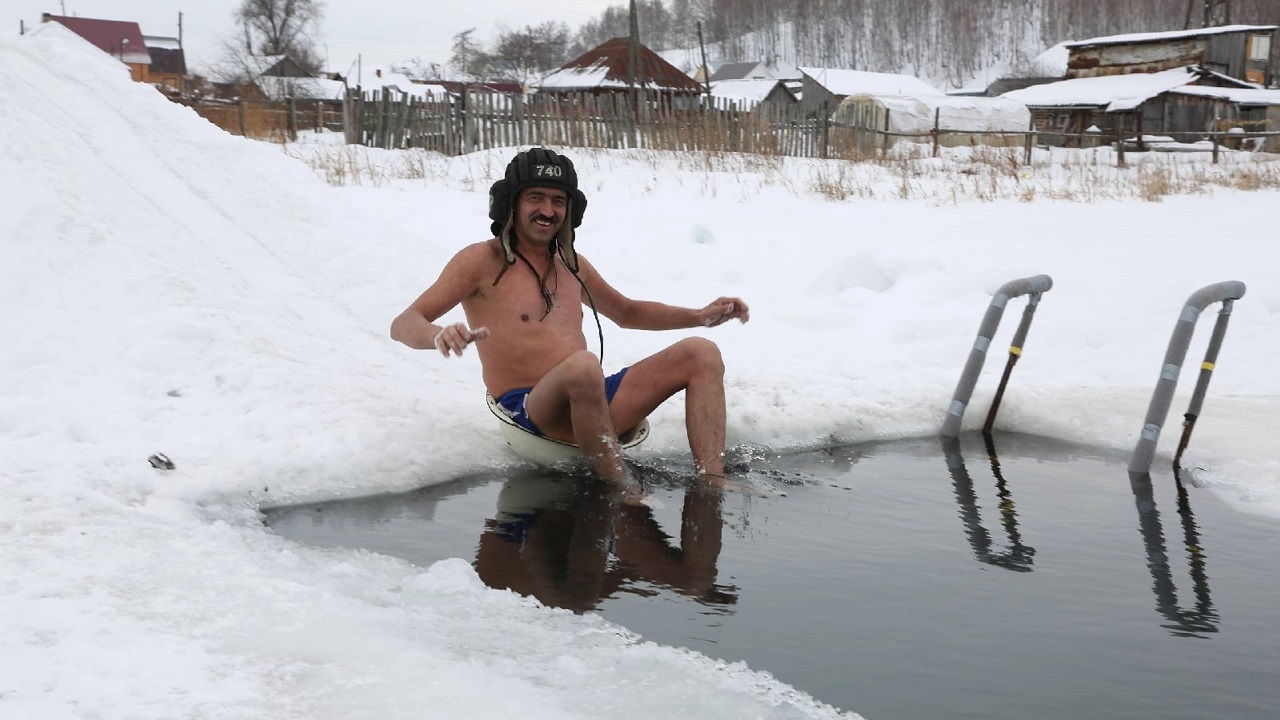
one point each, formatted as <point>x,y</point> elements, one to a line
<point>1224,292</point>
<point>1034,286</point>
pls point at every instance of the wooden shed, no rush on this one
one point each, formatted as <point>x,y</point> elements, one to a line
<point>1100,104</point>
<point>1242,52</point>
<point>1227,109</point>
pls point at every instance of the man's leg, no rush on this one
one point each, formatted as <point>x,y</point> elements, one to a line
<point>693,365</point>
<point>569,404</point>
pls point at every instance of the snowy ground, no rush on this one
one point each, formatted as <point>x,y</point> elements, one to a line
<point>169,288</point>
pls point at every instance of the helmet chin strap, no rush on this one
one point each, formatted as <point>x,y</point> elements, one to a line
<point>556,248</point>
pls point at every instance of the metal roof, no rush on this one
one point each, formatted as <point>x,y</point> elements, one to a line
<point>117,38</point>
<point>605,66</point>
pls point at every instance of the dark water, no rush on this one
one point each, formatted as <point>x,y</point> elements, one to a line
<point>901,580</point>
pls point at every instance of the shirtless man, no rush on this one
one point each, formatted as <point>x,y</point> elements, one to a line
<point>523,293</point>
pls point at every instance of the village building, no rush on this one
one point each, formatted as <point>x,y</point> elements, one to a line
<point>1242,52</point>
<point>605,70</point>
<point>120,39</point>
<point>1138,103</point>
<point>168,68</point>
<point>1141,85</point>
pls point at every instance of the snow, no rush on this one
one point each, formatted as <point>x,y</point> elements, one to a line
<point>171,288</point>
<point>918,114</point>
<point>1167,35</point>
<point>750,92</point>
<point>1050,63</point>
<point>580,78</point>
<point>1116,92</point>
<point>853,82</point>
<point>1243,96</point>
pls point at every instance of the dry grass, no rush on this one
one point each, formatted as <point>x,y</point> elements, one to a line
<point>906,172</point>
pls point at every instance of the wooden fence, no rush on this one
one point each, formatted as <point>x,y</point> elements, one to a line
<point>473,121</point>
<point>469,122</point>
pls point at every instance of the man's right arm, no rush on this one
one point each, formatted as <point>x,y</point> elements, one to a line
<point>416,327</point>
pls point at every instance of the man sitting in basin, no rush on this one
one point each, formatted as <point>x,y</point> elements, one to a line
<point>528,327</point>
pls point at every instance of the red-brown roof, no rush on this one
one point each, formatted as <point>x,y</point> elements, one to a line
<point>606,66</point>
<point>117,38</point>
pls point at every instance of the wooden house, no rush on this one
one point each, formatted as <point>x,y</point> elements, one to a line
<point>168,68</point>
<point>1229,109</point>
<point>117,38</point>
<point>1140,102</point>
<point>604,70</point>
<point>1242,52</point>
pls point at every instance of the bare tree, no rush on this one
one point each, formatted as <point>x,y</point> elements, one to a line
<point>469,58</point>
<point>527,54</point>
<point>283,27</point>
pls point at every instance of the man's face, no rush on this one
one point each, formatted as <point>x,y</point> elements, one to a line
<point>540,212</point>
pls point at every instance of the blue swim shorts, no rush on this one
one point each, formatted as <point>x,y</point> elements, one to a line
<point>513,401</point>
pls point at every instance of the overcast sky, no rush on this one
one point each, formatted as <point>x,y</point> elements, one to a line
<point>378,32</point>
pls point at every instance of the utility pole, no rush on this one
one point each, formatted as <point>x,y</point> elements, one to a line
<point>633,68</point>
<point>179,30</point>
<point>706,71</point>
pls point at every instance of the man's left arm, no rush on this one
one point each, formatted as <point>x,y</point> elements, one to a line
<point>649,315</point>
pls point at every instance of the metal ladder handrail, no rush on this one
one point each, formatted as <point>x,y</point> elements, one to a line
<point>1226,293</point>
<point>1035,286</point>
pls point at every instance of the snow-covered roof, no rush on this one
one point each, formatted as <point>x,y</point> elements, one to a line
<point>853,82</point>
<point>320,88</point>
<point>1243,96</point>
<point>606,66</point>
<point>595,76</point>
<point>1115,92</point>
<point>1168,35</point>
<point>1051,62</point>
<point>385,77</point>
<point>752,92</point>
<point>162,42</point>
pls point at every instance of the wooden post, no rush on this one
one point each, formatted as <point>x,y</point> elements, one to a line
<point>1215,137</point>
<point>884,151</point>
<point>293,119</point>
<point>825,129</point>
<point>240,115</point>
<point>1030,139</point>
<point>937,127</point>
<point>1120,161</point>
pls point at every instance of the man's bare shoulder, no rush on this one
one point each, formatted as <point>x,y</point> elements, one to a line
<point>476,257</point>
<point>485,250</point>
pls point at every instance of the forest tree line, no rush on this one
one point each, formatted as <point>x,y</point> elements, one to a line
<point>935,39</point>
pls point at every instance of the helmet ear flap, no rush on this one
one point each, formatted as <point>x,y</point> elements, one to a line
<point>499,204</point>
<point>579,207</point>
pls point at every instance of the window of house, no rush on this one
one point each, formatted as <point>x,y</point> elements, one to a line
<point>1260,48</point>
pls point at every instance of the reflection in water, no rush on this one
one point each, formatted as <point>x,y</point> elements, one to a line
<point>570,542</point>
<point>1183,623</point>
<point>1018,557</point>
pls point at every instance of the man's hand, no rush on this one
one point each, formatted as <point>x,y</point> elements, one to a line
<point>722,310</point>
<point>456,337</point>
